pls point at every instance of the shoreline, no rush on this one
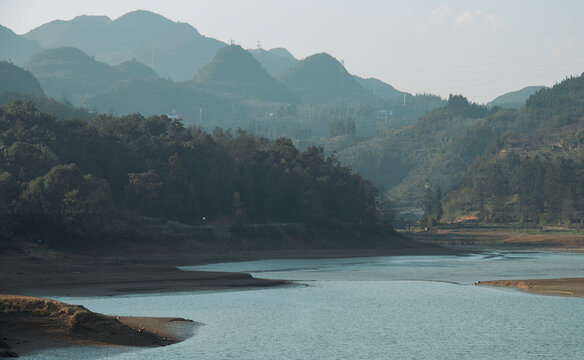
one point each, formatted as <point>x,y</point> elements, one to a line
<point>49,273</point>
<point>571,287</point>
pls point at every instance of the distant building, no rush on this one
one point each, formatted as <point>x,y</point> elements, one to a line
<point>174,116</point>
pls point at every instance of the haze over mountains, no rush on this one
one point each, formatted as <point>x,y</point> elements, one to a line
<point>143,62</point>
<point>172,49</point>
<point>176,51</point>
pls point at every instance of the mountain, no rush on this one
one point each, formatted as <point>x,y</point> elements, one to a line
<point>16,79</point>
<point>70,73</point>
<point>178,59</point>
<point>515,99</point>
<point>83,32</point>
<point>235,72</point>
<point>158,96</point>
<point>15,48</point>
<point>281,52</point>
<point>172,49</point>
<point>321,79</point>
<point>379,88</point>
<point>275,61</point>
<point>17,84</point>
<point>134,69</point>
<point>91,33</point>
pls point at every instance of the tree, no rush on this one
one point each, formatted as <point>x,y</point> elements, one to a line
<point>432,203</point>
<point>437,204</point>
<point>143,191</point>
<point>238,211</point>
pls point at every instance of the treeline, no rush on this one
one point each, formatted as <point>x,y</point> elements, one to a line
<point>563,99</point>
<point>74,180</point>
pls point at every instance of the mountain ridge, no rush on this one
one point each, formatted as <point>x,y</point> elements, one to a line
<point>236,72</point>
<point>320,78</point>
<point>68,72</point>
<point>16,48</point>
<point>515,99</point>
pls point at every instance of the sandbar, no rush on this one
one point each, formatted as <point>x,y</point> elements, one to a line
<point>559,287</point>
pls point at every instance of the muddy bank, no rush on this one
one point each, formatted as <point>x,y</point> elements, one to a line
<point>109,280</point>
<point>40,272</point>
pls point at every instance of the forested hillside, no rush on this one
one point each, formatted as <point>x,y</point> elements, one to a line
<point>432,151</point>
<point>533,170</point>
<point>501,165</point>
<point>71,181</point>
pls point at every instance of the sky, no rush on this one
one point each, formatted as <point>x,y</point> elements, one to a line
<point>479,49</point>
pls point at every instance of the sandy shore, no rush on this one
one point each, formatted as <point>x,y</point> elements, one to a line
<point>507,236</point>
<point>561,287</point>
<point>30,324</point>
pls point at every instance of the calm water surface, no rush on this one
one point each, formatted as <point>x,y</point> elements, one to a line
<point>407,307</point>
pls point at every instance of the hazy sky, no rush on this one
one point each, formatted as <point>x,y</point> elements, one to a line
<point>480,49</point>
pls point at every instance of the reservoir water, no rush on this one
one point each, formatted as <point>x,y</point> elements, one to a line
<point>404,307</point>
